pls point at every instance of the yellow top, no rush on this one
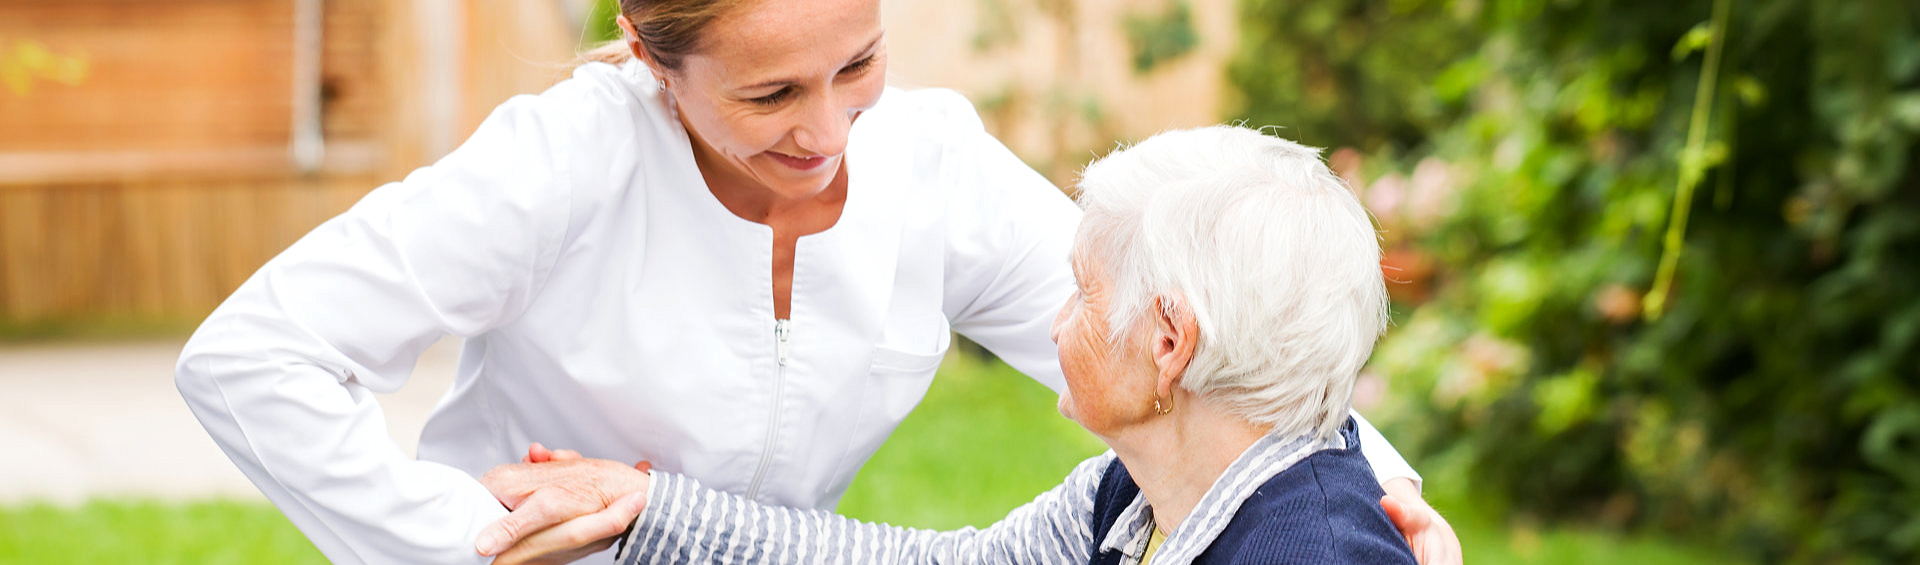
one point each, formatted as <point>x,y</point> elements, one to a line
<point>1153,544</point>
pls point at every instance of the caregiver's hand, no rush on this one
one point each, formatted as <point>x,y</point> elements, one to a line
<point>577,538</point>
<point>1433,540</point>
<point>542,494</point>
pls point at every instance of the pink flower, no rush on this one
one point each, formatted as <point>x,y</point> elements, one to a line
<point>1385,197</point>
<point>1368,390</point>
<point>1431,193</point>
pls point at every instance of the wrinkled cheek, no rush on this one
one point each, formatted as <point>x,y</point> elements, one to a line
<point>1089,416</point>
<point>754,135</point>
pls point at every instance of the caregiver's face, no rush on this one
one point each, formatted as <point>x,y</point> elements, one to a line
<point>1107,388</point>
<point>776,86</point>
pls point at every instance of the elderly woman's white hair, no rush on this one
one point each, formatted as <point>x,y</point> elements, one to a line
<point>1263,246</point>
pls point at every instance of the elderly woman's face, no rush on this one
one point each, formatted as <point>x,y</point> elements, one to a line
<point>1108,388</point>
<point>776,86</point>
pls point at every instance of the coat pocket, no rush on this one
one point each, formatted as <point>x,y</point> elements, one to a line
<point>899,361</point>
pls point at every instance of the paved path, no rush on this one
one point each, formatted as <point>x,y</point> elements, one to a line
<point>87,420</point>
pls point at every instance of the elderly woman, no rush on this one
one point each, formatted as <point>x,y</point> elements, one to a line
<point>1228,293</point>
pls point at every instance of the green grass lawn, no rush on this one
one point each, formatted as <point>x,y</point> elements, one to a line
<point>985,441</point>
<point>133,532</point>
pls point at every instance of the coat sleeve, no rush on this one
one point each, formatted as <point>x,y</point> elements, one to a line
<point>1009,233</point>
<point>685,523</point>
<point>283,373</point>
<point>1386,461</point>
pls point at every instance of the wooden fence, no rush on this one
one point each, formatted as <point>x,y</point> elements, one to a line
<point>152,187</point>
<point>147,251</point>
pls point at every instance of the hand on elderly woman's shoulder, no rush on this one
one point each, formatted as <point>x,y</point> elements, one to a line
<point>562,506</point>
<point>1431,537</point>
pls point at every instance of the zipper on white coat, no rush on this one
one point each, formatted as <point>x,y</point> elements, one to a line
<point>780,333</point>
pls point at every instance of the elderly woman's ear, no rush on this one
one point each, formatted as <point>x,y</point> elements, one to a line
<point>1175,337</point>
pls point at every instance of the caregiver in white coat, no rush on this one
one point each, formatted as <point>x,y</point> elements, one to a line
<point>738,258</point>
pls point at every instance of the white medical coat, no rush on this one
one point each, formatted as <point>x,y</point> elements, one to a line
<point>611,305</point>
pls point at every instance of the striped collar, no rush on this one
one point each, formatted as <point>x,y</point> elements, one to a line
<point>1260,462</point>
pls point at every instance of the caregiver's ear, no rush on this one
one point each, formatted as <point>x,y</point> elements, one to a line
<point>1175,334</point>
<point>632,37</point>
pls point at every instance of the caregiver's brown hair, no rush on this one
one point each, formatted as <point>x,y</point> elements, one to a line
<point>668,29</point>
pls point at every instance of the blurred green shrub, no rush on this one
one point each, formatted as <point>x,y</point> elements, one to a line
<point>1522,157</point>
<point>1155,39</point>
<point>600,26</point>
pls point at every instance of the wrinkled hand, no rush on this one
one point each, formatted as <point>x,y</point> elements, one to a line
<point>555,487</point>
<point>575,539</point>
<point>1433,540</point>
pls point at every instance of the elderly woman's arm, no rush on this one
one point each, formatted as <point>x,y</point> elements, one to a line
<point>684,522</point>
<point>687,523</point>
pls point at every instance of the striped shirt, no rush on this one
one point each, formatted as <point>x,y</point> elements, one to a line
<point>685,523</point>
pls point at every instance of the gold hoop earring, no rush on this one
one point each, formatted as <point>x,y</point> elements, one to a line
<point>1163,411</point>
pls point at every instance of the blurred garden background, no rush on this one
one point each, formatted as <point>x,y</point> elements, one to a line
<point>1655,264</point>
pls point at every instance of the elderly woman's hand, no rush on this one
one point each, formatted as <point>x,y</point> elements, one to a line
<point>543,494</point>
<point>1433,540</point>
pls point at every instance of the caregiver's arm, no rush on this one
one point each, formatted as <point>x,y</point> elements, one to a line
<point>1432,538</point>
<point>1009,231</point>
<point>283,374</point>
<point>1388,466</point>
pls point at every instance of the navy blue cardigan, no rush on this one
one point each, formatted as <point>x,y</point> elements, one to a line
<point>1323,510</point>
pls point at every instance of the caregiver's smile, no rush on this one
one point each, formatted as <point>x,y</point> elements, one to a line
<point>802,163</point>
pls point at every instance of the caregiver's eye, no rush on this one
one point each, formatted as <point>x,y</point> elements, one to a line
<point>775,98</point>
<point>858,66</point>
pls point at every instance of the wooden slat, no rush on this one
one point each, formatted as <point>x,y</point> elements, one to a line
<point>142,265</point>
<point>23,253</point>
<point>351,70</point>
<point>36,168</point>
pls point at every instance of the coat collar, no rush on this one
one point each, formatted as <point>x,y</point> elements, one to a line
<point>1261,461</point>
